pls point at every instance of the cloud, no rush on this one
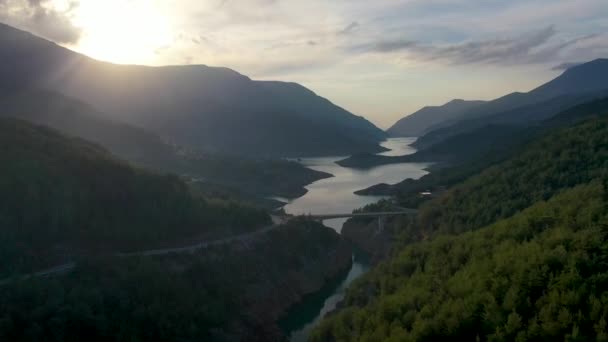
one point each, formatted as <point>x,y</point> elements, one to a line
<point>39,17</point>
<point>522,49</point>
<point>538,46</point>
<point>350,28</point>
<point>384,46</point>
<point>565,66</point>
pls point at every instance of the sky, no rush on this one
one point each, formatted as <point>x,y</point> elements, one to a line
<point>382,59</point>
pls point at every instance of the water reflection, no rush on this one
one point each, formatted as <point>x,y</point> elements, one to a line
<point>336,195</point>
<point>398,147</point>
<point>306,315</point>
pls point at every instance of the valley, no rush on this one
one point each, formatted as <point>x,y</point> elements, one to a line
<point>336,195</point>
<point>169,200</point>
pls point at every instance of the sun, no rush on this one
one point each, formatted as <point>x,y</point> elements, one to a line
<point>122,31</point>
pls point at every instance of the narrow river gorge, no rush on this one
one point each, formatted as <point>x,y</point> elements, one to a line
<point>335,195</point>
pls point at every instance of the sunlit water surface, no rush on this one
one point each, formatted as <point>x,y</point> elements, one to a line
<point>336,196</point>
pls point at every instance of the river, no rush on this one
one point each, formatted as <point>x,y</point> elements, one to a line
<point>335,196</point>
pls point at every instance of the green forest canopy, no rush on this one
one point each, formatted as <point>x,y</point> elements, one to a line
<point>518,252</point>
<point>61,197</point>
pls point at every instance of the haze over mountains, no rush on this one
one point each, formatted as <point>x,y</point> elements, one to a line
<point>576,85</point>
<point>211,109</point>
<point>145,204</point>
<point>461,131</point>
<point>420,122</point>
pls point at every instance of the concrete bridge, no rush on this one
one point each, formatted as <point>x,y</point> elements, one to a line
<point>367,214</point>
<point>277,220</point>
<point>381,216</point>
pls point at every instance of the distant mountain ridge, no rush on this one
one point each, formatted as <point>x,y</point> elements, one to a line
<point>499,124</point>
<point>260,178</point>
<point>81,120</point>
<point>424,119</point>
<point>577,85</point>
<point>212,109</point>
<point>78,199</point>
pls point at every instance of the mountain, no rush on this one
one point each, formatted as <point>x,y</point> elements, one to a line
<point>235,291</point>
<point>418,123</point>
<point>516,251</point>
<point>466,155</point>
<point>69,211</point>
<point>458,149</point>
<point>225,176</point>
<point>78,119</point>
<point>583,78</point>
<point>61,197</point>
<point>539,275</point>
<point>211,109</point>
<point>576,85</point>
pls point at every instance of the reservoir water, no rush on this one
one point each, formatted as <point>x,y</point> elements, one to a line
<point>336,196</point>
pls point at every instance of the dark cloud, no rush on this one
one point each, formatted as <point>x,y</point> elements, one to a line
<point>350,28</point>
<point>533,47</point>
<point>395,45</point>
<point>565,66</point>
<point>498,51</point>
<point>384,46</point>
<point>36,16</point>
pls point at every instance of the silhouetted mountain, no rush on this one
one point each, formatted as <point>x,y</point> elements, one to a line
<point>481,254</point>
<point>576,85</point>
<point>240,177</point>
<point>520,116</point>
<point>460,148</point>
<point>78,119</point>
<point>420,122</point>
<point>212,109</point>
<point>474,151</point>
<point>583,78</point>
<point>63,197</point>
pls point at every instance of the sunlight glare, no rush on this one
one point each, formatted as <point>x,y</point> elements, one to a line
<point>126,32</point>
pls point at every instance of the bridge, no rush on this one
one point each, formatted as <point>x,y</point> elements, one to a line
<point>277,222</point>
<point>381,216</point>
<point>367,214</point>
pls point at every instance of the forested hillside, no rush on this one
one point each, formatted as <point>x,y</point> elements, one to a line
<point>418,123</point>
<point>208,108</point>
<point>518,251</point>
<point>540,275</point>
<point>499,148</point>
<point>558,161</point>
<point>577,85</point>
<point>75,118</point>
<point>248,178</point>
<point>488,141</point>
<point>63,197</point>
<point>233,292</point>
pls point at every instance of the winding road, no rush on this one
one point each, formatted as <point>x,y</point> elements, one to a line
<point>277,222</point>
<point>370,214</point>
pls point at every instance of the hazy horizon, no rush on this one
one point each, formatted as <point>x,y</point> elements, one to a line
<point>381,60</point>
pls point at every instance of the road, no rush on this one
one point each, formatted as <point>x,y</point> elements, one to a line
<point>64,268</point>
<point>277,221</point>
<point>370,214</point>
<point>202,245</point>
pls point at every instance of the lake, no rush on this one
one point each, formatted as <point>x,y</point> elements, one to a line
<point>336,196</point>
